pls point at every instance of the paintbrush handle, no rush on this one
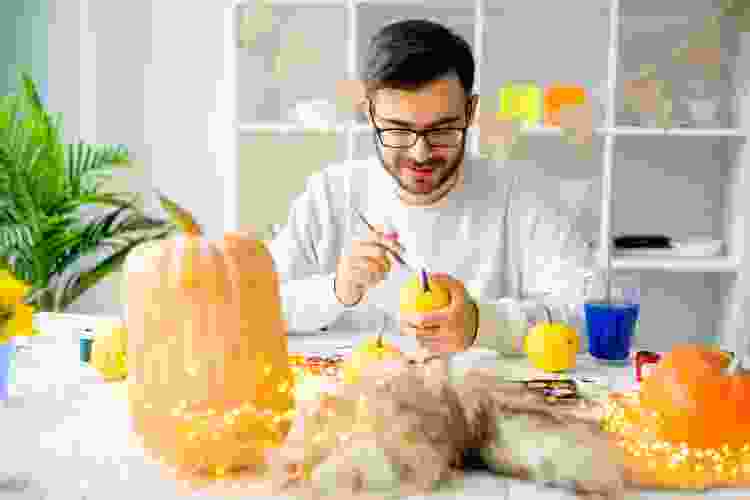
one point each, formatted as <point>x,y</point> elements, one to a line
<point>393,254</point>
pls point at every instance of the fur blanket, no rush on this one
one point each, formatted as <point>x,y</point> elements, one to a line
<point>407,427</point>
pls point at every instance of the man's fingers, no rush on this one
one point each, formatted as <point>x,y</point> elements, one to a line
<point>455,289</point>
<point>416,330</point>
<point>387,239</point>
<point>369,271</point>
<point>375,251</point>
<point>425,320</point>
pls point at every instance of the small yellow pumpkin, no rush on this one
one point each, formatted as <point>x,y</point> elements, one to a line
<point>109,351</point>
<point>210,382</point>
<point>372,351</point>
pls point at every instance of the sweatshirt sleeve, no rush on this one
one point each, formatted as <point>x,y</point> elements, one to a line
<point>551,261</point>
<point>305,259</point>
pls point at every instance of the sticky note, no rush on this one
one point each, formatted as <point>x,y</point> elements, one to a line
<point>521,101</point>
<point>557,96</point>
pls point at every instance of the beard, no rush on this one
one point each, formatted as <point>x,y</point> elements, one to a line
<point>443,170</point>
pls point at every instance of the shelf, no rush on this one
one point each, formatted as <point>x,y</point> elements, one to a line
<point>676,264</point>
<point>691,132</point>
<point>305,3</point>
<point>287,128</point>
<point>443,4</point>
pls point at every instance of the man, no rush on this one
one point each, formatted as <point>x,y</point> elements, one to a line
<point>481,225</point>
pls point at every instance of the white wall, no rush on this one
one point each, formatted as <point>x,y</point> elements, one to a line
<point>148,75</point>
<point>189,108</point>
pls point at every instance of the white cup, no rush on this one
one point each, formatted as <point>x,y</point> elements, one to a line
<point>512,322</point>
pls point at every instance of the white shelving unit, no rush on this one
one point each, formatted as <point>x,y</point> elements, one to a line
<point>507,45</point>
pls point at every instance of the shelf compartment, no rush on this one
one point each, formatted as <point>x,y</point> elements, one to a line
<point>275,168</point>
<point>290,55</point>
<point>512,52</point>
<point>653,40</point>
<point>676,264</point>
<point>373,16</point>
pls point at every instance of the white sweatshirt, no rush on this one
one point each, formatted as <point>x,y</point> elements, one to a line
<point>493,231</point>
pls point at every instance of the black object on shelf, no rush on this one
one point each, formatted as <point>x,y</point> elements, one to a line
<point>642,241</point>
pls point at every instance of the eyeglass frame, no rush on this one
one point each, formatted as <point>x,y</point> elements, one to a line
<point>422,133</point>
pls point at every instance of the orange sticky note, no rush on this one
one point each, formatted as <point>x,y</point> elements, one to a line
<point>557,96</point>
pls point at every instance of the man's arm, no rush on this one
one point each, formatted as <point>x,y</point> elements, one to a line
<point>305,256</point>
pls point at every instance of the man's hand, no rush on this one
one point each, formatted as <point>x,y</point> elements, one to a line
<point>367,264</point>
<point>451,329</point>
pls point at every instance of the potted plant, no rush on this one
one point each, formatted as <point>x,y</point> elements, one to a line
<point>55,213</point>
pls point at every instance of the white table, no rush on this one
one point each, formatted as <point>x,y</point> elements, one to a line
<point>66,432</point>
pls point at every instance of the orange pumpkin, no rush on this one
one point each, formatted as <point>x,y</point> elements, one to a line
<point>697,400</point>
<point>210,387</point>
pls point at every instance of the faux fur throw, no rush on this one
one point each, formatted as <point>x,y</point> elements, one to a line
<point>405,428</point>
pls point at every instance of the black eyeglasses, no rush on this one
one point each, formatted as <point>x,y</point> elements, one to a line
<point>404,138</point>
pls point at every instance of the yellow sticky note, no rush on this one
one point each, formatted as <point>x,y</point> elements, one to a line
<point>521,101</point>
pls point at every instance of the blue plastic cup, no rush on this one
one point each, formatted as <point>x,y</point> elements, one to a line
<point>611,329</point>
<point>7,355</point>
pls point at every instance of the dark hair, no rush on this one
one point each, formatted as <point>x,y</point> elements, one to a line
<point>409,54</point>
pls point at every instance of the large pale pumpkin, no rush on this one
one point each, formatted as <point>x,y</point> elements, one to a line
<point>210,383</point>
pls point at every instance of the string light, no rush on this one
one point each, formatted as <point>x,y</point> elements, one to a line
<point>203,427</point>
<point>672,461</point>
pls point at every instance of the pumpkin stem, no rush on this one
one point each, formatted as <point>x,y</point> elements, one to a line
<point>547,312</point>
<point>735,367</point>
<point>183,219</point>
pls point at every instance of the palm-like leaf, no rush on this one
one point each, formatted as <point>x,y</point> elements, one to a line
<point>77,284</point>
<point>46,190</point>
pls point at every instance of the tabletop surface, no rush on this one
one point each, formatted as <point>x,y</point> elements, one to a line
<point>64,429</point>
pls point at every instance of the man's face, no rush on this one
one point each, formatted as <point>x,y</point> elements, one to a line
<point>422,170</point>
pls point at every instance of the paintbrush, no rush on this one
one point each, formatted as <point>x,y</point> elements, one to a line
<point>422,271</point>
<point>393,254</point>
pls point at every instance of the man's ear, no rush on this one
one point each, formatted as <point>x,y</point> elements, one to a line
<point>473,107</point>
<point>364,108</point>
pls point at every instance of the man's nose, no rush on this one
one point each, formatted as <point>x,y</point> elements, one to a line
<point>421,150</point>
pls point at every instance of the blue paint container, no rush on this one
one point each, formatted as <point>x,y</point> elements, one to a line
<point>610,329</point>
<point>85,341</point>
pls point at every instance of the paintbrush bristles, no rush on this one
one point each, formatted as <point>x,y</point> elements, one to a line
<point>425,280</point>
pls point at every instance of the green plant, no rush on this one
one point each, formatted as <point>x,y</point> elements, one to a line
<point>739,10</point>
<point>54,210</point>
